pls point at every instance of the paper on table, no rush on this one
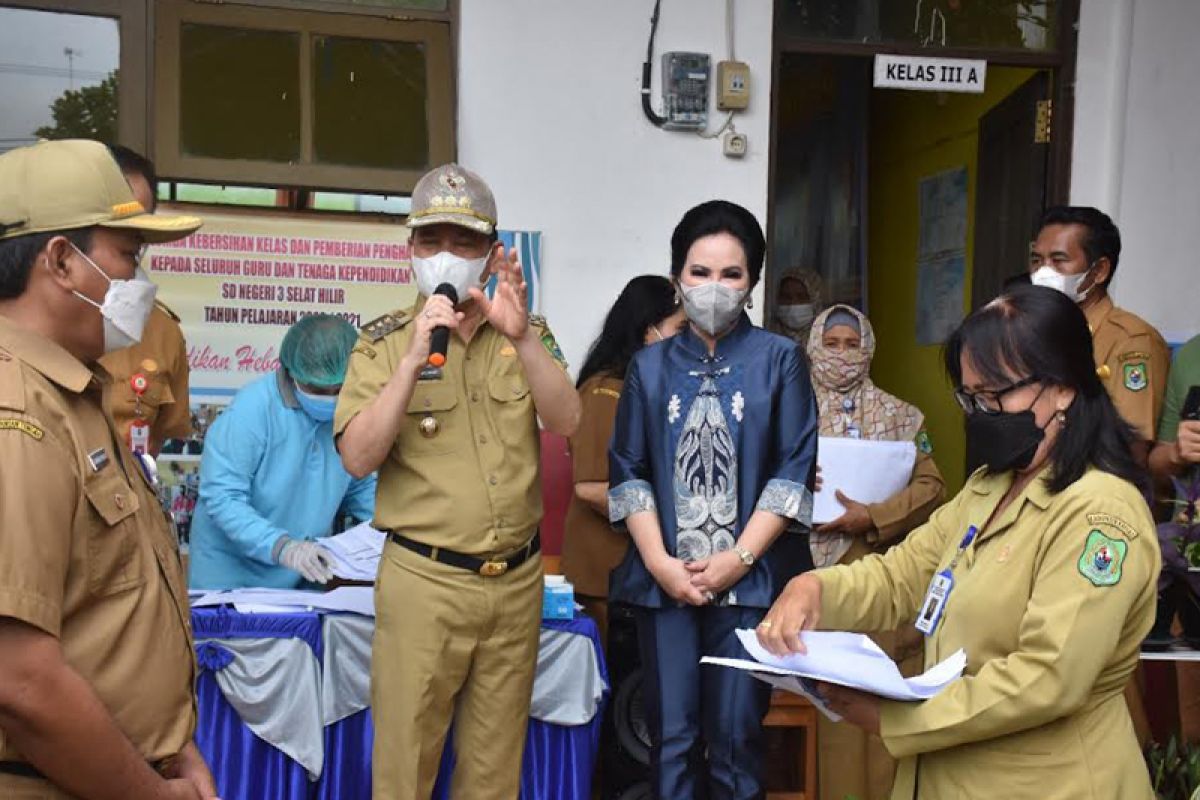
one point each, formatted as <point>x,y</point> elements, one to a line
<point>356,552</point>
<point>864,470</point>
<point>846,659</point>
<point>352,599</point>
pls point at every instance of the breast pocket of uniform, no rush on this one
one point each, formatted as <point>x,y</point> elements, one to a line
<point>113,555</point>
<point>512,407</point>
<point>432,426</point>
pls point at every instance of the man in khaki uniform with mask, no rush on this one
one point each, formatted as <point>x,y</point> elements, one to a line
<point>149,399</point>
<point>96,664</point>
<point>1076,252</point>
<point>459,592</point>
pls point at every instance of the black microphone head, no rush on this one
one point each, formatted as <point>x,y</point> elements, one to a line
<point>447,290</point>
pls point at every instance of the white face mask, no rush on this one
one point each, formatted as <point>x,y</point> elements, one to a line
<point>126,307</point>
<point>712,307</point>
<point>797,316</point>
<point>445,267</point>
<point>1051,278</point>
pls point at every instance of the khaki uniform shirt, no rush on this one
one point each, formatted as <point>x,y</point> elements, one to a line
<point>1050,602</point>
<point>912,505</point>
<point>463,473</point>
<point>591,548</point>
<point>161,357</point>
<point>1132,360</point>
<point>85,550</point>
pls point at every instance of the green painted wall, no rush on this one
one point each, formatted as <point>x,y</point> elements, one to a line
<point>915,135</point>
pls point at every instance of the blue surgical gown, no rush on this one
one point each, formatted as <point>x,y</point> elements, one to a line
<point>269,470</point>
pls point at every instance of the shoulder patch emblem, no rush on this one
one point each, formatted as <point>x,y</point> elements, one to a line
<point>923,443</point>
<point>548,340</point>
<point>27,428</point>
<point>1133,355</point>
<point>380,327</point>
<point>1114,522</point>
<point>1102,559</point>
<point>1135,376</point>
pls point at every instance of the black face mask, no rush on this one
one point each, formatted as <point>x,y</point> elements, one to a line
<point>1002,441</point>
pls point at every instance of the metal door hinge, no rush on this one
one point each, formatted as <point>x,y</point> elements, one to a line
<point>1041,127</point>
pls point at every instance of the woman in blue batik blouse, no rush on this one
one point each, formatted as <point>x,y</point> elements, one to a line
<point>712,456</point>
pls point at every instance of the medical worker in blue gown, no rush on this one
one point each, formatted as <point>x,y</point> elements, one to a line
<point>711,470</point>
<point>271,479</point>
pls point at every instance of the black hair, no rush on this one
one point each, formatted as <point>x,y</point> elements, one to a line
<point>1102,239</point>
<point>646,300</point>
<point>132,162</point>
<point>19,254</point>
<point>719,216</point>
<point>1032,331</point>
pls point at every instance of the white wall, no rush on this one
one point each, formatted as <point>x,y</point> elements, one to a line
<point>549,113</point>
<point>1137,150</point>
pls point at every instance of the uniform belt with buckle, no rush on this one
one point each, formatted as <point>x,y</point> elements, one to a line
<point>487,567</point>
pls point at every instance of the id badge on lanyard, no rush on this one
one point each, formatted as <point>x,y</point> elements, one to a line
<point>939,589</point>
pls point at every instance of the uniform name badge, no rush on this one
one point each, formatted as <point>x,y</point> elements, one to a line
<point>940,587</point>
<point>935,602</point>
<point>139,436</point>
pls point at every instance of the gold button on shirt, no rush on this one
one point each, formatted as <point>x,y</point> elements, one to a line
<point>1132,360</point>
<point>469,480</point>
<point>86,553</point>
<point>161,357</point>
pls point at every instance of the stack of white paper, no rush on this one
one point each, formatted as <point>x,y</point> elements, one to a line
<point>864,470</point>
<point>356,552</point>
<point>846,659</point>
<point>352,599</point>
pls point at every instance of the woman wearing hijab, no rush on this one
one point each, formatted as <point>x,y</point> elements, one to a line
<point>799,300</point>
<point>712,454</point>
<point>840,348</point>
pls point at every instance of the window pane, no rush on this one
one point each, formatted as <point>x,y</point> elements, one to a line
<point>239,93</point>
<point>58,77</point>
<point>369,101</point>
<point>992,24</point>
<point>416,5</point>
<point>374,203</point>
<point>225,195</point>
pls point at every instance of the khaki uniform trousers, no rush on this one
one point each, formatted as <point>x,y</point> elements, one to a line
<point>451,645</point>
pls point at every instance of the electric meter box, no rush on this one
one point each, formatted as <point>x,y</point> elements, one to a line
<point>685,90</point>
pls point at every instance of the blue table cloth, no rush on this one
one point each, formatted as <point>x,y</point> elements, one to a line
<point>558,762</point>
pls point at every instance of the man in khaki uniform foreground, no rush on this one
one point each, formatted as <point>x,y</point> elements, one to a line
<point>459,592</point>
<point>96,664</point>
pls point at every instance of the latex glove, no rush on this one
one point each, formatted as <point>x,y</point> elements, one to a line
<point>309,559</point>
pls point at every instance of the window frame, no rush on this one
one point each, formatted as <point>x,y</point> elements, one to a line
<point>132,61</point>
<point>437,36</point>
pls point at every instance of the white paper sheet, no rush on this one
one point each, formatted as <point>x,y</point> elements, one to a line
<point>846,659</point>
<point>352,599</point>
<point>865,471</point>
<point>356,552</point>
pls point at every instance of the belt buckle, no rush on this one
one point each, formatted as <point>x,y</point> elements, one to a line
<point>493,569</point>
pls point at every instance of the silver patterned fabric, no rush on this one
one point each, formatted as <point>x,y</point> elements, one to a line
<point>628,499</point>
<point>787,499</point>
<point>705,480</point>
<point>272,684</point>
<point>346,688</point>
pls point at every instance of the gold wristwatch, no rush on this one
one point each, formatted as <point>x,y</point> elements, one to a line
<point>745,555</point>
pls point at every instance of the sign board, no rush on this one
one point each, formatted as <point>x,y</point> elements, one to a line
<point>930,74</point>
<point>241,281</point>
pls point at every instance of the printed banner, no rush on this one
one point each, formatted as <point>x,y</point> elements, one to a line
<point>241,281</point>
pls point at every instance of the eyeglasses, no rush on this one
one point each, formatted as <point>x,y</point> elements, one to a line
<point>988,401</point>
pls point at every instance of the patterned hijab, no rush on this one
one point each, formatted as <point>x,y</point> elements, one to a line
<point>850,405</point>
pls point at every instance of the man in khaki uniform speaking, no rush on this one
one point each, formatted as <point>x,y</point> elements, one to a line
<point>459,592</point>
<point>96,664</point>
<point>1076,252</point>
<point>149,400</point>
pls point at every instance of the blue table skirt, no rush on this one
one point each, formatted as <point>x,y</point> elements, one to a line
<point>558,761</point>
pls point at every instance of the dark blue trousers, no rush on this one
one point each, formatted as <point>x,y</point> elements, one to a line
<point>705,721</point>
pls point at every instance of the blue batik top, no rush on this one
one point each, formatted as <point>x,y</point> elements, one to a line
<point>704,441</point>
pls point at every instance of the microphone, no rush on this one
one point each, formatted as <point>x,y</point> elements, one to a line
<point>439,340</point>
